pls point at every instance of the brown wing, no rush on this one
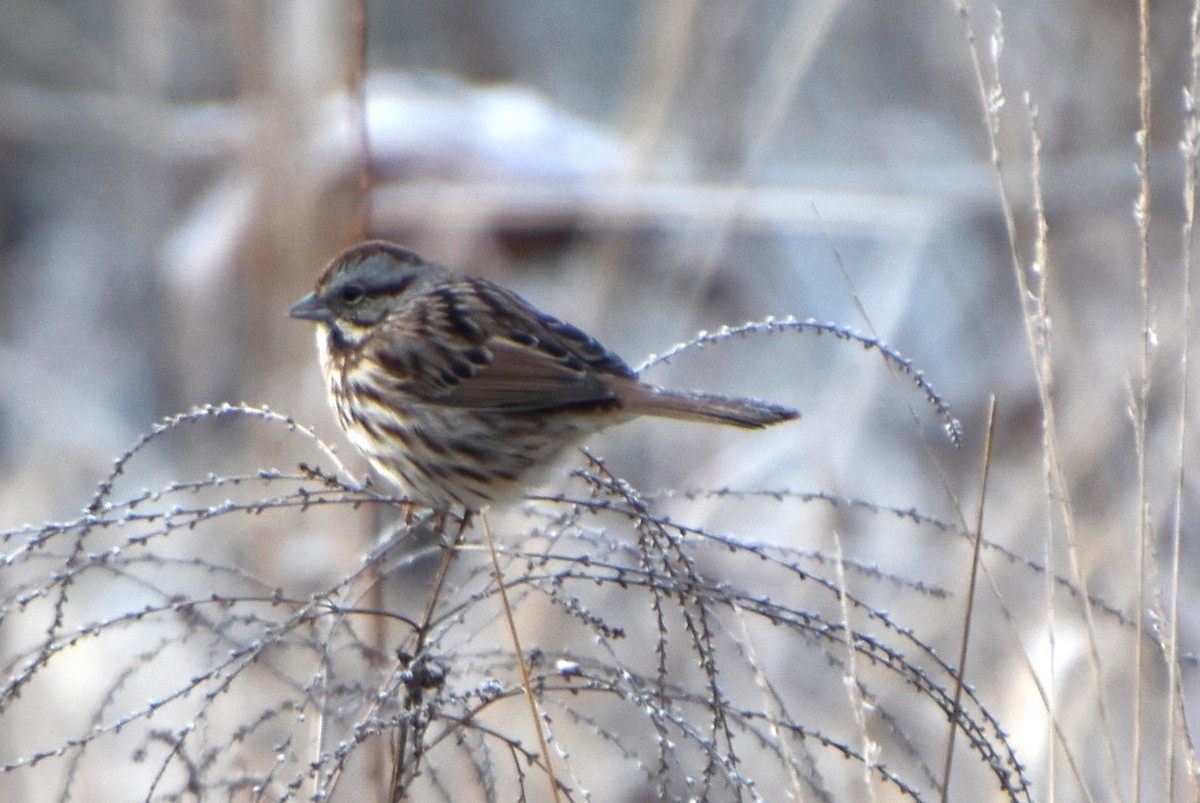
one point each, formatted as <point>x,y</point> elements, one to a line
<point>471,344</point>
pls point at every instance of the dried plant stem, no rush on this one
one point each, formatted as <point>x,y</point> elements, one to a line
<point>422,635</point>
<point>1032,286</point>
<point>773,704</point>
<point>1142,215</point>
<point>870,750</point>
<point>439,580</point>
<point>519,654</point>
<point>1176,713</point>
<point>960,676</point>
<point>378,757</point>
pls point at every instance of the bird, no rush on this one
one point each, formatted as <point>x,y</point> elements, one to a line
<point>461,392</point>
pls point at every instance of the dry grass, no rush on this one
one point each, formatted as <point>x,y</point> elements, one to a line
<point>236,614</point>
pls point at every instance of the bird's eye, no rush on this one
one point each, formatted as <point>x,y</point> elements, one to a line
<point>351,294</point>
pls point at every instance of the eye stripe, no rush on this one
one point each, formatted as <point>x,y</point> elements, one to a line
<point>376,290</point>
<point>393,288</point>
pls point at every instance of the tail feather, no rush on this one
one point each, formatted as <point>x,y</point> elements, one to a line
<point>644,399</point>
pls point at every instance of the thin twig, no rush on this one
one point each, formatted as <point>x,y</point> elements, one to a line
<point>422,636</point>
<point>534,715</point>
<point>968,615</point>
<point>1144,536</point>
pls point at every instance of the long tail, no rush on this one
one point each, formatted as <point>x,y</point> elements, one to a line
<point>644,399</point>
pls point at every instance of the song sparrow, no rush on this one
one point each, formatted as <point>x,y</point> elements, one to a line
<point>455,388</point>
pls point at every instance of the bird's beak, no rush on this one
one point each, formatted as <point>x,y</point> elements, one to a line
<point>311,308</point>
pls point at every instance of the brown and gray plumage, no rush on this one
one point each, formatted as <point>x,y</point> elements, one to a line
<point>457,389</point>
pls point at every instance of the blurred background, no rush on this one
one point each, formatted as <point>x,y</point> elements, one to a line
<point>174,174</point>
